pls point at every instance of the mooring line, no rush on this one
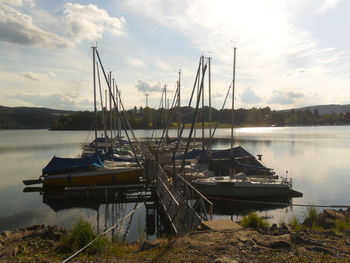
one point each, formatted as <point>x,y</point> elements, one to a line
<point>277,203</point>
<point>105,232</point>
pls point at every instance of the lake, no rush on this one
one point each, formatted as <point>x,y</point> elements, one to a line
<point>315,157</point>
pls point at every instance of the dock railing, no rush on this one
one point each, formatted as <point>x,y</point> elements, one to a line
<point>184,206</point>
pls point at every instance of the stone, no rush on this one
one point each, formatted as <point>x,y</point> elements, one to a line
<point>284,228</point>
<point>246,241</point>
<point>153,244</point>
<point>334,214</point>
<point>320,250</point>
<point>282,241</point>
<point>220,225</point>
<point>224,259</point>
<point>273,227</point>
<point>326,222</point>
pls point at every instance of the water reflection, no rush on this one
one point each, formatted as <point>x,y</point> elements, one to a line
<point>316,158</point>
<point>107,210</point>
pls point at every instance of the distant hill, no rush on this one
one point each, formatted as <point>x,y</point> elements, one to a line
<point>328,109</point>
<point>28,117</point>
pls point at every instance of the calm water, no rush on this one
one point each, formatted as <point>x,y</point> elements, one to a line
<point>315,157</point>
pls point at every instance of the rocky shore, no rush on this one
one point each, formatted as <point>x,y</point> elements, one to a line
<point>321,241</point>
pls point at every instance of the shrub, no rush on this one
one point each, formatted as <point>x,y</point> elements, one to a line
<point>295,224</point>
<point>341,225</point>
<point>82,233</point>
<point>312,216</point>
<point>254,221</point>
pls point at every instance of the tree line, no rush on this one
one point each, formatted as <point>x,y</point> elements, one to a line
<point>148,118</point>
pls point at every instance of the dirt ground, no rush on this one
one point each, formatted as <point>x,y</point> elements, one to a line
<point>39,244</point>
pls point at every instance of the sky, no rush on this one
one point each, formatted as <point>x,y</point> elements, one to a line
<point>290,53</point>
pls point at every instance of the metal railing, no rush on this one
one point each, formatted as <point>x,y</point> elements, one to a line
<point>185,207</point>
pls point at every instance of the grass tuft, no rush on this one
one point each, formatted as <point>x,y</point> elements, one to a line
<point>295,224</point>
<point>342,225</point>
<point>82,233</point>
<point>312,216</point>
<point>252,220</point>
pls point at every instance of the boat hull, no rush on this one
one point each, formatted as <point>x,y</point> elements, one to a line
<point>97,177</point>
<point>242,191</point>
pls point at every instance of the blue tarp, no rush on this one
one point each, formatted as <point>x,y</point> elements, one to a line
<point>60,165</point>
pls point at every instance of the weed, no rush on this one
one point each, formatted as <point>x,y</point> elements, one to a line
<point>295,224</point>
<point>254,221</point>
<point>341,225</point>
<point>312,216</point>
<point>82,233</point>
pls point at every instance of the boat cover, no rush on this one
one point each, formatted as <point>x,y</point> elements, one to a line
<point>59,165</point>
<point>235,152</point>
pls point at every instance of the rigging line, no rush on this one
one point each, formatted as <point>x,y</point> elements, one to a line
<point>189,105</point>
<point>114,102</point>
<point>102,234</point>
<point>160,103</point>
<point>216,124</point>
<point>131,130</point>
<point>194,117</point>
<point>101,100</point>
<point>129,224</point>
<point>166,129</point>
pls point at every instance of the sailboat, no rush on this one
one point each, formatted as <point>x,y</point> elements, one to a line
<point>86,171</point>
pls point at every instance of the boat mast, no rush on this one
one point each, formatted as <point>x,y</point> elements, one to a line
<point>209,91</point>
<point>179,104</point>
<point>203,105</point>
<point>166,112</point>
<point>102,106</point>
<point>110,111</point>
<point>94,84</point>
<point>233,93</point>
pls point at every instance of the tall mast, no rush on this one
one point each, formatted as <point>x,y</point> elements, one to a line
<point>233,92</point>
<point>203,105</point>
<point>179,103</point>
<point>166,112</point>
<point>102,106</point>
<point>209,91</point>
<point>94,84</point>
<point>110,111</point>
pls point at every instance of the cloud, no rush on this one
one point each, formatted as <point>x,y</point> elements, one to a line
<point>327,5</point>
<point>249,96</point>
<point>273,51</point>
<point>37,76</point>
<point>279,97</point>
<point>88,22</point>
<point>30,3</point>
<point>54,100</point>
<point>18,28</point>
<point>74,24</point>
<point>134,62</point>
<point>145,87</point>
<point>295,95</point>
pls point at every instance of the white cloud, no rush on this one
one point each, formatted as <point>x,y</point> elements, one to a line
<point>90,22</point>
<point>270,46</point>
<point>18,28</point>
<point>30,3</point>
<point>146,87</point>
<point>75,24</point>
<point>37,76</point>
<point>134,62</point>
<point>327,5</point>
<point>67,101</point>
<point>249,96</point>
